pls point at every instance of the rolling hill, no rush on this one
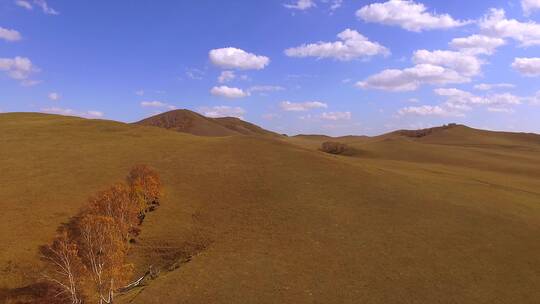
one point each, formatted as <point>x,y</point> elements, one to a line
<point>193,123</point>
<point>451,217</point>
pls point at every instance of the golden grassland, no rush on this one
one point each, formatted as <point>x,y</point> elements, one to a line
<point>453,217</point>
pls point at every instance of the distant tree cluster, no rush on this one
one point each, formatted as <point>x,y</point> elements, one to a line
<point>333,147</point>
<point>87,260</point>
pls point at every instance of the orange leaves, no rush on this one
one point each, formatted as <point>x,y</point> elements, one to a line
<point>145,187</point>
<point>116,203</point>
<point>88,260</point>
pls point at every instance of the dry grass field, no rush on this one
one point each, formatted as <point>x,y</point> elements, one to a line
<point>450,217</point>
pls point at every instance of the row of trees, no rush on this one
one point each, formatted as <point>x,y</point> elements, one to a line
<point>87,260</point>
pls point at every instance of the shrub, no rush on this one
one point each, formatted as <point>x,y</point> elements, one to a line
<point>333,147</point>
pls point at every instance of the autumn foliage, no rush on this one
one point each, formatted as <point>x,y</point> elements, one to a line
<point>87,261</point>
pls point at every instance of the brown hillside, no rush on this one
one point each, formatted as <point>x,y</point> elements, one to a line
<point>193,123</point>
<point>255,219</point>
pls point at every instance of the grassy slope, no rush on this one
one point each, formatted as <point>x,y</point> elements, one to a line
<point>402,221</point>
<point>193,123</point>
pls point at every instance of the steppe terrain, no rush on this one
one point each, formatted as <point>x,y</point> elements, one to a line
<point>447,215</point>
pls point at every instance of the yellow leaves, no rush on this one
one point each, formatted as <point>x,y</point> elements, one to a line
<point>92,253</point>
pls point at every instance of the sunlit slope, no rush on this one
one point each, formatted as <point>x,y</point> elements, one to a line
<point>193,123</point>
<point>268,221</point>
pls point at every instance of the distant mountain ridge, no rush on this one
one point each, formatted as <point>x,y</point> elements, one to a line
<point>187,121</point>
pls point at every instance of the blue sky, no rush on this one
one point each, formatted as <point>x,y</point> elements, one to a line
<point>293,66</point>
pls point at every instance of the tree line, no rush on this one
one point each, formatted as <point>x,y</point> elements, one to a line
<point>87,260</point>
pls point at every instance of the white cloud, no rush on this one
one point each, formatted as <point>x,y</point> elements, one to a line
<point>491,86</point>
<point>94,114</point>
<point>45,7</point>
<point>534,100</point>
<point>265,88</point>
<point>500,110</point>
<point>336,116</point>
<point>157,104</point>
<point>226,76</point>
<point>495,24</point>
<point>352,45</point>
<point>70,112</point>
<point>465,65</point>
<point>222,111</point>
<point>139,92</point>
<point>39,3</point>
<point>24,4</point>
<point>18,68</point>
<point>477,44</point>
<point>233,58</point>
<point>336,4</point>
<point>411,79</point>
<point>527,66</point>
<point>301,5</point>
<point>407,14</point>
<point>54,96</point>
<point>431,67</point>
<point>529,6</point>
<point>302,106</point>
<point>228,92</point>
<point>427,110</point>
<point>460,101</point>
<point>9,35</point>
<point>30,82</point>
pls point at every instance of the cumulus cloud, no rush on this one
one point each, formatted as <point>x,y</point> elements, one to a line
<point>407,14</point>
<point>19,68</point>
<point>139,92</point>
<point>301,106</point>
<point>233,58</point>
<point>527,66</point>
<point>334,116</point>
<point>477,44</point>
<point>458,102</point>
<point>54,96</point>
<point>412,78</point>
<point>70,112</point>
<point>431,67</point>
<point>529,6</point>
<point>222,111</point>
<point>495,24</point>
<point>226,76</point>
<point>9,35</point>
<point>492,86</point>
<point>301,5</point>
<point>157,104</point>
<point>465,65</point>
<point>352,45</point>
<point>427,110</point>
<point>461,101</point>
<point>228,92</point>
